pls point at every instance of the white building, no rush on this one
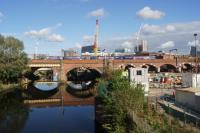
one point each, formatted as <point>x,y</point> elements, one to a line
<point>189,80</point>
<point>140,76</point>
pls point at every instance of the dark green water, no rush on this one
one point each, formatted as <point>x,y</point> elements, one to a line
<point>15,117</point>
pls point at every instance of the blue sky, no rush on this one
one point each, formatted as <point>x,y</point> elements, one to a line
<point>52,25</point>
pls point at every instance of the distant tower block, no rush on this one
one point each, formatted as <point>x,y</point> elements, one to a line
<point>143,47</point>
<point>96,38</point>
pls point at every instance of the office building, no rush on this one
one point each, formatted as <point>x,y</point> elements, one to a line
<point>193,51</point>
<point>70,52</point>
<point>142,47</point>
<point>122,50</point>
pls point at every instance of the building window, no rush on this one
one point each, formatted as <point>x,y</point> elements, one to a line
<point>139,72</point>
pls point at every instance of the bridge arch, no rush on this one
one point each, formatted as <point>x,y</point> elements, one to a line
<point>168,68</point>
<point>187,67</point>
<point>129,66</point>
<point>94,72</point>
<point>81,78</point>
<point>151,68</point>
<point>41,73</point>
<point>84,67</point>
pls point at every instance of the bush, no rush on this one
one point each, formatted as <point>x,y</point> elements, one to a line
<point>119,97</point>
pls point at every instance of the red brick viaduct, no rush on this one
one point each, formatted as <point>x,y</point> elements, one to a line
<point>62,67</point>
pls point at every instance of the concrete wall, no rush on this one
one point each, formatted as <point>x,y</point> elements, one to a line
<point>189,99</point>
<point>197,101</point>
<point>185,98</point>
<point>196,78</point>
<point>189,80</point>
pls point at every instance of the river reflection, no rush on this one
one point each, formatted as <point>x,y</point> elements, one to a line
<point>13,114</point>
<point>74,119</point>
<point>41,90</point>
<point>46,86</point>
<point>15,117</point>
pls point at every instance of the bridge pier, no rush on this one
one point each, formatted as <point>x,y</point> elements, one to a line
<point>158,70</point>
<point>179,69</point>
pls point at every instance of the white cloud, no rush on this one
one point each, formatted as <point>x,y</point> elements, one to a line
<point>46,34</point>
<point>169,44</point>
<point>121,38</point>
<point>78,45</point>
<point>127,44</point>
<point>97,13</point>
<point>55,38</point>
<point>1,16</point>
<point>170,28</point>
<point>192,43</point>
<point>40,34</point>
<point>88,39</point>
<point>180,33</point>
<point>148,13</point>
<point>157,29</point>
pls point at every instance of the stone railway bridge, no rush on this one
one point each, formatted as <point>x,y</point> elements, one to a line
<point>62,67</point>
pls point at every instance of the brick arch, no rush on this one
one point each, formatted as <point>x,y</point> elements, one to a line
<point>186,67</point>
<point>71,68</point>
<point>128,66</point>
<point>151,67</point>
<point>168,68</point>
<point>32,75</point>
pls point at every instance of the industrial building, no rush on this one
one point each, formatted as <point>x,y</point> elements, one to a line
<point>87,49</point>
<point>92,49</point>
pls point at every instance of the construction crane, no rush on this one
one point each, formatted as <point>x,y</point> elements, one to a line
<point>96,38</point>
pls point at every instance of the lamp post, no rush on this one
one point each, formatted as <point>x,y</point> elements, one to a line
<point>195,38</point>
<point>105,63</point>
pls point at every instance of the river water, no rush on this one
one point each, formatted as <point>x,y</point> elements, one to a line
<point>15,117</point>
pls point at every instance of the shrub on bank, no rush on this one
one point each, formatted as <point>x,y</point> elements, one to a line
<point>126,110</point>
<point>119,97</point>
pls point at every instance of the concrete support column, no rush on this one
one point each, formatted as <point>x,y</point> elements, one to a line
<point>158,70</point>
<point>55,75</point>
<point>179,69</point>
<point>62,72</point>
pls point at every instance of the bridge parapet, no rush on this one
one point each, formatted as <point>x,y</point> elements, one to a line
<point>44,62</point>
<point>82,61</point>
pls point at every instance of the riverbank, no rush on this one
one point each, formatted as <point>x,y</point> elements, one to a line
<point>4,88</point>
<point>123,108</point>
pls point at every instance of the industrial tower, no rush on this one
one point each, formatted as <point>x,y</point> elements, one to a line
<point>96,38</point>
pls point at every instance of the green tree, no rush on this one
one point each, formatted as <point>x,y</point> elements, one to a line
<point>13,59</point>
<point>119,97</point>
